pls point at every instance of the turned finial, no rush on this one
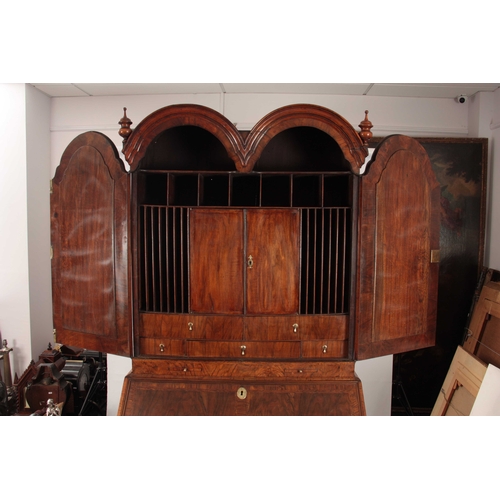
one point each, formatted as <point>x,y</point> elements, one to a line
<point>365,127</point>
<point>125,123</point>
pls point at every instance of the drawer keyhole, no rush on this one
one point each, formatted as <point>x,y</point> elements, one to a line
<point>241,393</point>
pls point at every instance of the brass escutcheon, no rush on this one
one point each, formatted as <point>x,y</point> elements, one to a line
<point>241,393</point>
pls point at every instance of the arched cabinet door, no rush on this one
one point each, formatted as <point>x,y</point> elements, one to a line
<point>398,251</point>
<point>90,205</point>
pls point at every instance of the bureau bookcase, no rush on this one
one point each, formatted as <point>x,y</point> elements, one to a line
<point>244,272</point>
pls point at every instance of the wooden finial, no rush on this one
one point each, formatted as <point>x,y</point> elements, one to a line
<point>125,123</point>
<point>365,127</point>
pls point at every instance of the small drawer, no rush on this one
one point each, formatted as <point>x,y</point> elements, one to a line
<point>161,347</point>
<point>217,327</point>
<point>272,328</point>
<point>243,349</point>
<point>324,349</point>
<point>173,326</point>
<point>191,326</point>
<point>335,327</point>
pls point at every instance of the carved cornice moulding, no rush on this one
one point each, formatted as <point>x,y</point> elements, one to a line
<point>245,150</point>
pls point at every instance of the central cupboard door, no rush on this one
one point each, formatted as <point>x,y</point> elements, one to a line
<point>244,261</point>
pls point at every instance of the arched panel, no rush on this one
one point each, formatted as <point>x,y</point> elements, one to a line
<point>306,115</point>
<point>398,251</point>
<point>182,115</point>
<point>90,265</point>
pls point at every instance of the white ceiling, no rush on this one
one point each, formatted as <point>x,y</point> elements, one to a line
<point>429,90</point>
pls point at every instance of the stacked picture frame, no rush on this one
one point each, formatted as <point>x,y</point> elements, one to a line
<point>480,348</point>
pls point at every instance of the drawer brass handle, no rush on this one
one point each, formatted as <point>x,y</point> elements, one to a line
<point>250,262</point>
<point>434,256</point>
<point>325,347</point>
<point>162,347</point>
<point>243,349</point>
<point>190,326</point>
<point>295,327</point>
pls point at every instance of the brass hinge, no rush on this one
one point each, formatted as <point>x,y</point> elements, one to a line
<point>434,256</point>
<point>51,188</point>
<point>51,252</point>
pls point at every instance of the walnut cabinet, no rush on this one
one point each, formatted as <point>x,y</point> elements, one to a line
<point>244,272</point>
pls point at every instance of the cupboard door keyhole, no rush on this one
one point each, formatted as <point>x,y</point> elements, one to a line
<point>250,262</point>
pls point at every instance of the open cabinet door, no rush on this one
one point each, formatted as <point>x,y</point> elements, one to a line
<point>398,250</point>
<point>90,265</point>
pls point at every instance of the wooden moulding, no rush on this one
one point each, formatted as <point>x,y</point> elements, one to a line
<point>245,149</point>
<point>245,370</point>
<point>461,385</point>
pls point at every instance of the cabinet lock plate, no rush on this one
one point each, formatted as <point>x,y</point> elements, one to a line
<point>241,393</point>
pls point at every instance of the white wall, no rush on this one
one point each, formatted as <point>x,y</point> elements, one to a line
<point>72,116</point>
<point>25,302</point>
<point>411,116</point>
<point>14,291</point>
<point>38,205</point>
<point>424,117</point>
